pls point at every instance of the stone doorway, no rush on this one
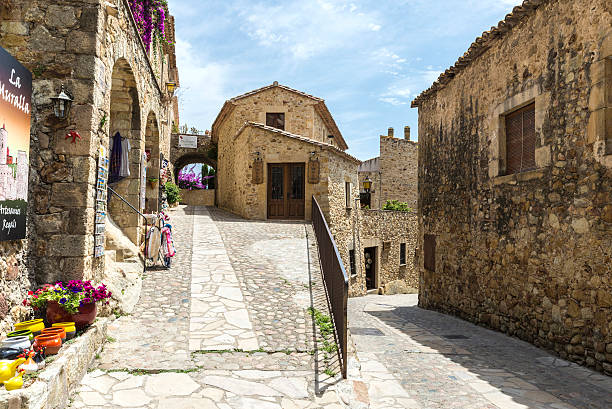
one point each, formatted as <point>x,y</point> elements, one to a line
<point>369,257</point>
<point>125,119</point>
<point>286,191</point>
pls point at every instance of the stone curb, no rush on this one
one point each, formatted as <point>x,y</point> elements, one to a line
<point>54,384</point>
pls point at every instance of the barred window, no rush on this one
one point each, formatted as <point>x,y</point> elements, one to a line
<point>520,140</point>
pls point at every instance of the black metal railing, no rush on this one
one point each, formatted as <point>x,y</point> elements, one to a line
<point>335,279</point>
<point>136,210</point>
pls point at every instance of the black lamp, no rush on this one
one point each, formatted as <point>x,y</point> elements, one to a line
<point>62,103</point>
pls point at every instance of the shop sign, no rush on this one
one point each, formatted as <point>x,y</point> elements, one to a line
<point>314,170</point>
<point>258,168</point>
<point>188,141</point>
<point>15,103</point>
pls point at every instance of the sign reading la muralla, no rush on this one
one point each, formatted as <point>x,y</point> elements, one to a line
<point>15,102</point>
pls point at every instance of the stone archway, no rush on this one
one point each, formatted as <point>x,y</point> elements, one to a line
<point>125,119</point>
<point>153,163</point>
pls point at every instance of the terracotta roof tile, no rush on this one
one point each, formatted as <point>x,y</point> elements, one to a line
<point>480,45</point>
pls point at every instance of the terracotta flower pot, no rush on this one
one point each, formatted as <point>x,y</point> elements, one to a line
<point>86,315</point>
<point>55,331</point>
<point>51,343</point>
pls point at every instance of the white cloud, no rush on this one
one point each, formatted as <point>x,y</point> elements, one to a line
<point>308,27</point>
<point>391,62</point>
<point>403,90</point>
<point>203,85</point>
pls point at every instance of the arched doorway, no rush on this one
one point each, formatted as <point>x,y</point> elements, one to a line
<point>195,175</point>
<point>153,164</point>
<point>125,148</point>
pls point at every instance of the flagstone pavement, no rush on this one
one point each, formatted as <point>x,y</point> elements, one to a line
<point>226,327</point>
<point>415,358</point>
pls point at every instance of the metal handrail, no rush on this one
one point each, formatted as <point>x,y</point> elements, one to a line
<point>136,210</point>
<point>335,279</point>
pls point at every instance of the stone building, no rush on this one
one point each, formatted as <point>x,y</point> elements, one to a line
<point>394,172</point>
<point>515,180</point>
<point>95,50</point>
<point>277,148</point>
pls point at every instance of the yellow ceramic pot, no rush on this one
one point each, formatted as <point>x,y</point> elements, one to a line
<point>70,328</point>
<point>35,326</point>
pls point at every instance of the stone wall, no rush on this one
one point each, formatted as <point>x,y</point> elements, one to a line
<point>398,171</point>
<point>386,230</point>
<point>94,49</point>
<point>198,197</point>
<point>527,254</point>
<point>14,283</point>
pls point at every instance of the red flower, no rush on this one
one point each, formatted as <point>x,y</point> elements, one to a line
<point>25,302</point>
<point>30,292</point>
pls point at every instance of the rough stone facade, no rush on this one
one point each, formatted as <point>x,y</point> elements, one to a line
<point>529,253</point>
<point>394,173</point>
<point>94,49</point>
<point>198,197</point>
<point>385,230</point>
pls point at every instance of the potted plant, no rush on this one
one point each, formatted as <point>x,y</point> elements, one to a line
<point>75,301</point>
<point>153,182</point>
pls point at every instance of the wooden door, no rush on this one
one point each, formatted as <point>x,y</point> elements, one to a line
<point>286,190</point>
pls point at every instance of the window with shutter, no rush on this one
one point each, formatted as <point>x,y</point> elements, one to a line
<point>520,140</point>
<point>429,252</point>
<point>276,120</point>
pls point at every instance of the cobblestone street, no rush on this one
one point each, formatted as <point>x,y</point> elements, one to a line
<point>415,358</point>
<point>226,327</point>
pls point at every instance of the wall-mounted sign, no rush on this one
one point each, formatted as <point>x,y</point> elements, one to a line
<point>313,171</point>
<point>188,141</point>
<point>15,102</point>
<point>258,176</point>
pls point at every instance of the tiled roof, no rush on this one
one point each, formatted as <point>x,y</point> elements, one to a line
<point>323,145</point>
<point>320,107</point>
<point>480,45</point>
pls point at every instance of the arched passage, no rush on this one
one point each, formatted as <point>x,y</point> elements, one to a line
<point>124,169</point>
<point>153,163</point>
<point>198,165</point>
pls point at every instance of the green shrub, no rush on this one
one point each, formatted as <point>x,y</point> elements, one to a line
<point>172,192</point>
<point>397,205</point>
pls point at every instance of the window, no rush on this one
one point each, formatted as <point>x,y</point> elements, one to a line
<point>276,120</point>
<point>352,261</point>
<point>520,140</point>
<point>429,253</point>
<point>402,254</point>
<point>347,191</point>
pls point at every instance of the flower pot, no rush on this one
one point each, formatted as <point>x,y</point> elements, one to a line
<point>86,315</point>
<point>55,331</point>
<point>51,343</point>
<point>21,333</point>
<point>35,326</point>
<point>69,327</point>
<point>16,342</point>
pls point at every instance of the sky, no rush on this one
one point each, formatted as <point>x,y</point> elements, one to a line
<point>367,59</point>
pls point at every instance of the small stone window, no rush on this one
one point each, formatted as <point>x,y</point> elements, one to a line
<point>520,140</point>
<point>347,192</point>
<point>276,120</point>
<point>352,262</point>
<point>402,259</point>
<point>429,256</point>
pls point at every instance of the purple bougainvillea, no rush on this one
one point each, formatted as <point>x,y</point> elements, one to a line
<point>150,17</point>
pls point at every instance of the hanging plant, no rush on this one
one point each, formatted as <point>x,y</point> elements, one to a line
<point>150,17</point>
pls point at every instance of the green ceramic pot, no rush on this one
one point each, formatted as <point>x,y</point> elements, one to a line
<point>21,333</point>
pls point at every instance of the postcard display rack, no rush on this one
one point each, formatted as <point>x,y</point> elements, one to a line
<point>101,201</point>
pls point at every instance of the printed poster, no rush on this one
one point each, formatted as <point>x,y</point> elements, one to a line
<point>15,103</point>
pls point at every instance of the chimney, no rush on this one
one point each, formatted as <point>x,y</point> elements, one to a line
<point>407,133</point>
<point>390,132</point>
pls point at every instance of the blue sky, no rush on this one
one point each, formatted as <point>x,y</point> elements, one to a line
<point>367,59</point>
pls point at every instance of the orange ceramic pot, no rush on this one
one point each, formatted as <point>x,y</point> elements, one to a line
<point>54,330</point>
<point>52,343</point>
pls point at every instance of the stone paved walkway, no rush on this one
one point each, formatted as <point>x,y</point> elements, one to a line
<point>414,358</point>
<point>226,327</point>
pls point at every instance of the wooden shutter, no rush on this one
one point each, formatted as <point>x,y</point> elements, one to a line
<point>520,140</point>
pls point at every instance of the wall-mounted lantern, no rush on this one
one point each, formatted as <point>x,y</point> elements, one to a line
<point>62,103</point>
<point>367,184</point>
<point>171,87</point>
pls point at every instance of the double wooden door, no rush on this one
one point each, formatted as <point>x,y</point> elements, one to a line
<point>286,186</point>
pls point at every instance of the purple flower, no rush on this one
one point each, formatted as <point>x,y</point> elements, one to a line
<point>63,301</point>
